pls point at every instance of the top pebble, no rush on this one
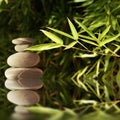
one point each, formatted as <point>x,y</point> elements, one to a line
<point>19,41</point>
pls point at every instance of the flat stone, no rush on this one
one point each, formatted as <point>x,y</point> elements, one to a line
<point>23,59</point>
<point>23,84</point>
<point>21,48</point>
<point>19,41</point>
<point>21,109</point>
<point>26,73</point>
<point>23,97</point>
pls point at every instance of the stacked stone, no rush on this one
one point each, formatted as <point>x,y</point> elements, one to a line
<point>23,78</point>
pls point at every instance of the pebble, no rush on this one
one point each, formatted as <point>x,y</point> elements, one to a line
<point>21,109</point>
<point>19,41</point>
<point>26,73</point>
<point>21,48</point>
<point>23,97</point>
<point>23,59</point>
<point>21,116</point>
<point>23,84</point>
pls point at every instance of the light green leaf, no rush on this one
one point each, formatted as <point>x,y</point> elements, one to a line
<point>89,42</point>
<point>86,29</point>
<point>98,115</point>
<point>114,22</point>
<point>70,45</point>
<point>108,40</point>
<point>107,59</point>
<point>61,33</point>
<point>73,30</point>
<point>106,91</point>
<point>6,1</point>
<point>118,78</point>
<point>86,55</point>
<point>53,37</point>
<point>102,35</point>
<point>86,37</point>
<point>76,1</point>
<point>96,25</point>
<point>46,46</point>
<point>86,101</point>
<point>1,2</point>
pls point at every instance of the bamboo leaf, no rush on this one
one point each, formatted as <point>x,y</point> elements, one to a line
<point>86,55</point>
<point>86,37</point>
<point>108,40</point>
<point>53,37</point>
<point>61,33</point>
<point>73,30</point>
<point>86,29</point>
<point>104,33</point>
<point>70,45</point>
<point>46,46</point>
<point>118,78</point>
<point>90,42</point>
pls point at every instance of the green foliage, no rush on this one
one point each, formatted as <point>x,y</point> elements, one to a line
<point>96,55</point>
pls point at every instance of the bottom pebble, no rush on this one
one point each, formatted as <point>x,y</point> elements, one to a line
<point>23,97</point>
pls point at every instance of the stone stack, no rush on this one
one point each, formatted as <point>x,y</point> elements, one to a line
<point>23,78</point>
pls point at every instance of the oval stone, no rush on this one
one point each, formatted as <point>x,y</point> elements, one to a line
<point>21,109</point>
<point>23,97</point>
<point>19,41</point>
<point>22,84</point>
<point>21,48</point>
<point>23,59</point>
<point>26,73</point>
<point>21,116</point>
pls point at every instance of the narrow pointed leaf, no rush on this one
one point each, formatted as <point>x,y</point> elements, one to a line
<point>73,30</point>
<point>118,78</point>
<point>90,42</point>
<point>109,40</point>
<point>104,33</point>
<point>61,33</point>
<point>43,47</point>
<point>53,37</point>
<point>86,29</point>
<point>87,55</point>
<point>70,45</point>
<point>86,37</point>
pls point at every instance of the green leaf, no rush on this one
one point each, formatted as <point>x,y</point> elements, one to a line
<point>53,37</point>
<point>89,42</point>
<point>76,1</point>
<point>73,30</point>
<point>61,32</point>
<point>102,35</point>
<point>106,92</point>
<point>70,45</point>
<point>118,78</point>
<point>86,55</point>
<point>86,29</point>
<point>108,40</point>
<point>6,1</point>
<point>43,47</point>
<point>86,37</point>
<point>1,2</point>
<point>98,115</point>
